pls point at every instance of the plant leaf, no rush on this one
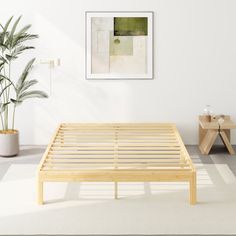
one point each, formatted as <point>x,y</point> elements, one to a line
<point>3,106</point>
<point>1,66</point>
<point>24,37</point>
<point>4,32</point>
<point>32,94</point>
<point>17,51</point>
<point>10,57</point>
<point>24,74</point>
<point>3,46</point>
<point>2,91</point>
<point>4,78</point>
<point>16,102</point>
<point>18,35</point>
<point>10,38</point>
<point>7,24</point>
<point>23,30</point>
<point>26,85</point>
<point>3,59</point>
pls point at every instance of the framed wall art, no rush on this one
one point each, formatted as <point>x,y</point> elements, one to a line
<point>119,45</point>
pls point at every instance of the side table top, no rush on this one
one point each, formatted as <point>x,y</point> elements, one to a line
<point>206,124</point>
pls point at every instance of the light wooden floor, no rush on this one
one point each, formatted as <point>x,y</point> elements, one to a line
<point>144,208</point>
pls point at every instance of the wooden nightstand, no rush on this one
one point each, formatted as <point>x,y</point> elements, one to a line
<point>209,130</point>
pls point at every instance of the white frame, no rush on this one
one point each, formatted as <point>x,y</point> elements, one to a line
<point>89,15</point>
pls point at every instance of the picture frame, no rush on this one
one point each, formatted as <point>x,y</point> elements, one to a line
<point>119,45</point>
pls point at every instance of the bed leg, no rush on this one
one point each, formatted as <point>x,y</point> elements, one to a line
<point>40,192</point>
<point>193,189</point>
<point>116,190</point>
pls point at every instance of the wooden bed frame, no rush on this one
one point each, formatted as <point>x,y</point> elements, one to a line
<point>117,152</point>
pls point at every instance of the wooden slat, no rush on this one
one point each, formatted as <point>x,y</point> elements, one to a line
<point>129,137</point>
<point>121,146</point>
<point>112,152</point>
<point>121,140</point>
<point>112,156</point>
<point>111,171</point>
<point>120,160</point>
<point>111,165</point>
<point>110,149</point>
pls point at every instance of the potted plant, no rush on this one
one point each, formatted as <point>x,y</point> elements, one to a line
<point>14,92</point>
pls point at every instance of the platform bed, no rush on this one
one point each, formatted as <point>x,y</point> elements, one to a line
<point>117,152</point>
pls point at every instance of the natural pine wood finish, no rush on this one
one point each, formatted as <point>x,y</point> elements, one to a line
<point>209,130</point>
<point>226,142</point>
<point>116,152</point>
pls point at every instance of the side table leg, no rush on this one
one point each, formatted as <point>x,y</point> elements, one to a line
<point>208,141</point>
<point>226,142</point>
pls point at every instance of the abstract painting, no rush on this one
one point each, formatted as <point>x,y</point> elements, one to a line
<point>119,45</point>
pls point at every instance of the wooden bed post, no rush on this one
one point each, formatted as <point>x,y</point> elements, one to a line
<point>193,188</point>
<point>40,192</point>
<point>41,164</point>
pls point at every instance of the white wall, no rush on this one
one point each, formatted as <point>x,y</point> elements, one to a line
<point>195,57</point>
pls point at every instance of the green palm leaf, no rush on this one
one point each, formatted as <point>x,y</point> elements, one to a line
<point>24,37</point>
<point>1,66</point>
<point>7,24</point>
<point>24,74</point>
<point>11,36</point>
<point>32,94</point>
<point>4,89</point>
<point>17,51</point>
<point>23,85</point>
<point>3,78</point>
<point>16,102</point>
<point>19,35</point>
<point>23,30</point>
<point>2,59</point>
<point>28,84</point>
<point>3,106</point>
<point>4,32</point>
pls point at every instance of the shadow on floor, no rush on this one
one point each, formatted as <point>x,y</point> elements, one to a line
<point>31,151</point>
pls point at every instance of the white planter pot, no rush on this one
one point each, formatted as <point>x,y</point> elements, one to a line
<point>9,143</point>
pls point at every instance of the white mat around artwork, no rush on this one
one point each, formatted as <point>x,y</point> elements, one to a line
<point>143,208</point>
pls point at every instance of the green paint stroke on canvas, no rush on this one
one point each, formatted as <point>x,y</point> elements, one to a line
<point>130,26</point>
<point>121,46</point>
